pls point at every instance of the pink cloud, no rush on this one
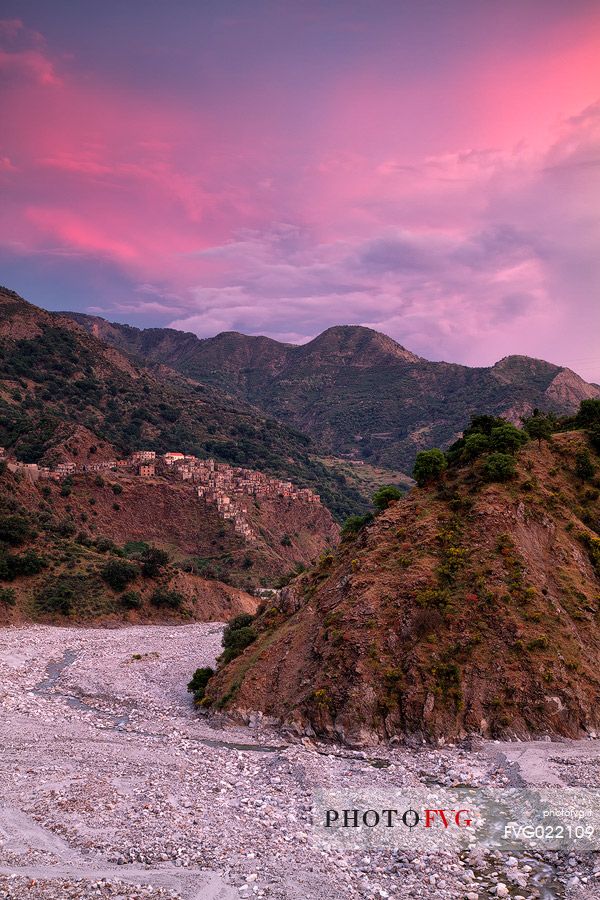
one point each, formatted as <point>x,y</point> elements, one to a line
<point>29,64</point>
<point>454,210</point>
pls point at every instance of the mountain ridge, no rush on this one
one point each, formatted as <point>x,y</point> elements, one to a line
<point>356,391</point>
<point>53,373</point>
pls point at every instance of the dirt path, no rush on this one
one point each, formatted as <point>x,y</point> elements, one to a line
<point>112,786</point>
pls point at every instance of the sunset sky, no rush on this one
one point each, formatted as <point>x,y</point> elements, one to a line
<point>430,169</point>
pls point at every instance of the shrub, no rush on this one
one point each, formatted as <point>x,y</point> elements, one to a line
<point>387,494</point>
<point>286,541</point>
<point>237,643</point>
<point>355,524</point>
<point>14,530</point>
<point>584,468</point>
<point>105,545</point>
<point>131,600</point>
<point>540,643</point>
<point>237,636</point>
<point>117,489</point>
<point>99,481</point>
<point>14,565</point>
<point>153,560</point>
<point>166,599</point>
<point>118,573</point>
<point>499,467</point>
<point>429,466</point>
<point>57,596</point>
<point>200,678</point>
<point>8,596</point>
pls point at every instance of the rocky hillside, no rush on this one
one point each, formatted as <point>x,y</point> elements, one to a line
<point>471,605</point>
<point>56,378</point>
<point>69,555</point>
<point>354,390</point>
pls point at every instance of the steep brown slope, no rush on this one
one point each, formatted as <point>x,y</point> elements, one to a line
<point>54,550</point>
<point>88,511</point>
<point>354,390</point>
<point>472,608</point>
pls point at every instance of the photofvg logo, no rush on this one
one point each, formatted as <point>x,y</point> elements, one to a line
<point>376,820</point>
<point>508,818</point>
<point>392,818</point>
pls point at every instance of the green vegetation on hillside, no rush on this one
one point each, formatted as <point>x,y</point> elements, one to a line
<point>63,376</point>
<point>354,390</point>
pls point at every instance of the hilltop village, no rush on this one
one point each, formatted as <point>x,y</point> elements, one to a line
<point>229,488</point>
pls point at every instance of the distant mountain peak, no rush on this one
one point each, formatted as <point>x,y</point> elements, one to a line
<point>357,340</point>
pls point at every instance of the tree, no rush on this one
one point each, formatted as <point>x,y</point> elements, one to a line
<point>499,467</point>
<point>507,438</point>
<point>429,466</point>
<point>539,427</point>
<point>387,494</point>
<point>475,445</point>
<point>588,414</point>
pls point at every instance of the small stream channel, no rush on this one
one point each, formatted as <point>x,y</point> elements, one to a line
<point>47,687</point>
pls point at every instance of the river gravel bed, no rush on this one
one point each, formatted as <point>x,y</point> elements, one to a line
<point>113,786</point>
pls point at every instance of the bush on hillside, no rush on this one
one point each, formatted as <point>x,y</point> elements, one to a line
<point>153,561</point>
<point>429,466</point>
<point>200,678</point>
<point>14,530</point>
<point>237,636</point>
<point>118,573</point>
<point>584,467</point>
<point>499,467</point>
<point>130,600</point>
<point>14,565</point>
<point>57,595</point>
<point>355,524</point>
<point>166,599</point>
<point>385,495</point>
<point>7,597</point>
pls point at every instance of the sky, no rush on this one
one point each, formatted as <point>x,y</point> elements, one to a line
<point>425,168</point>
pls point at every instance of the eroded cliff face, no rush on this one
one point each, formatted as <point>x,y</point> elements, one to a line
<point>567,390</point>
<point>468,609</point>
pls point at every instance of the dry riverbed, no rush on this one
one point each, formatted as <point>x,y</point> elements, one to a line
<point>112,786</point>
